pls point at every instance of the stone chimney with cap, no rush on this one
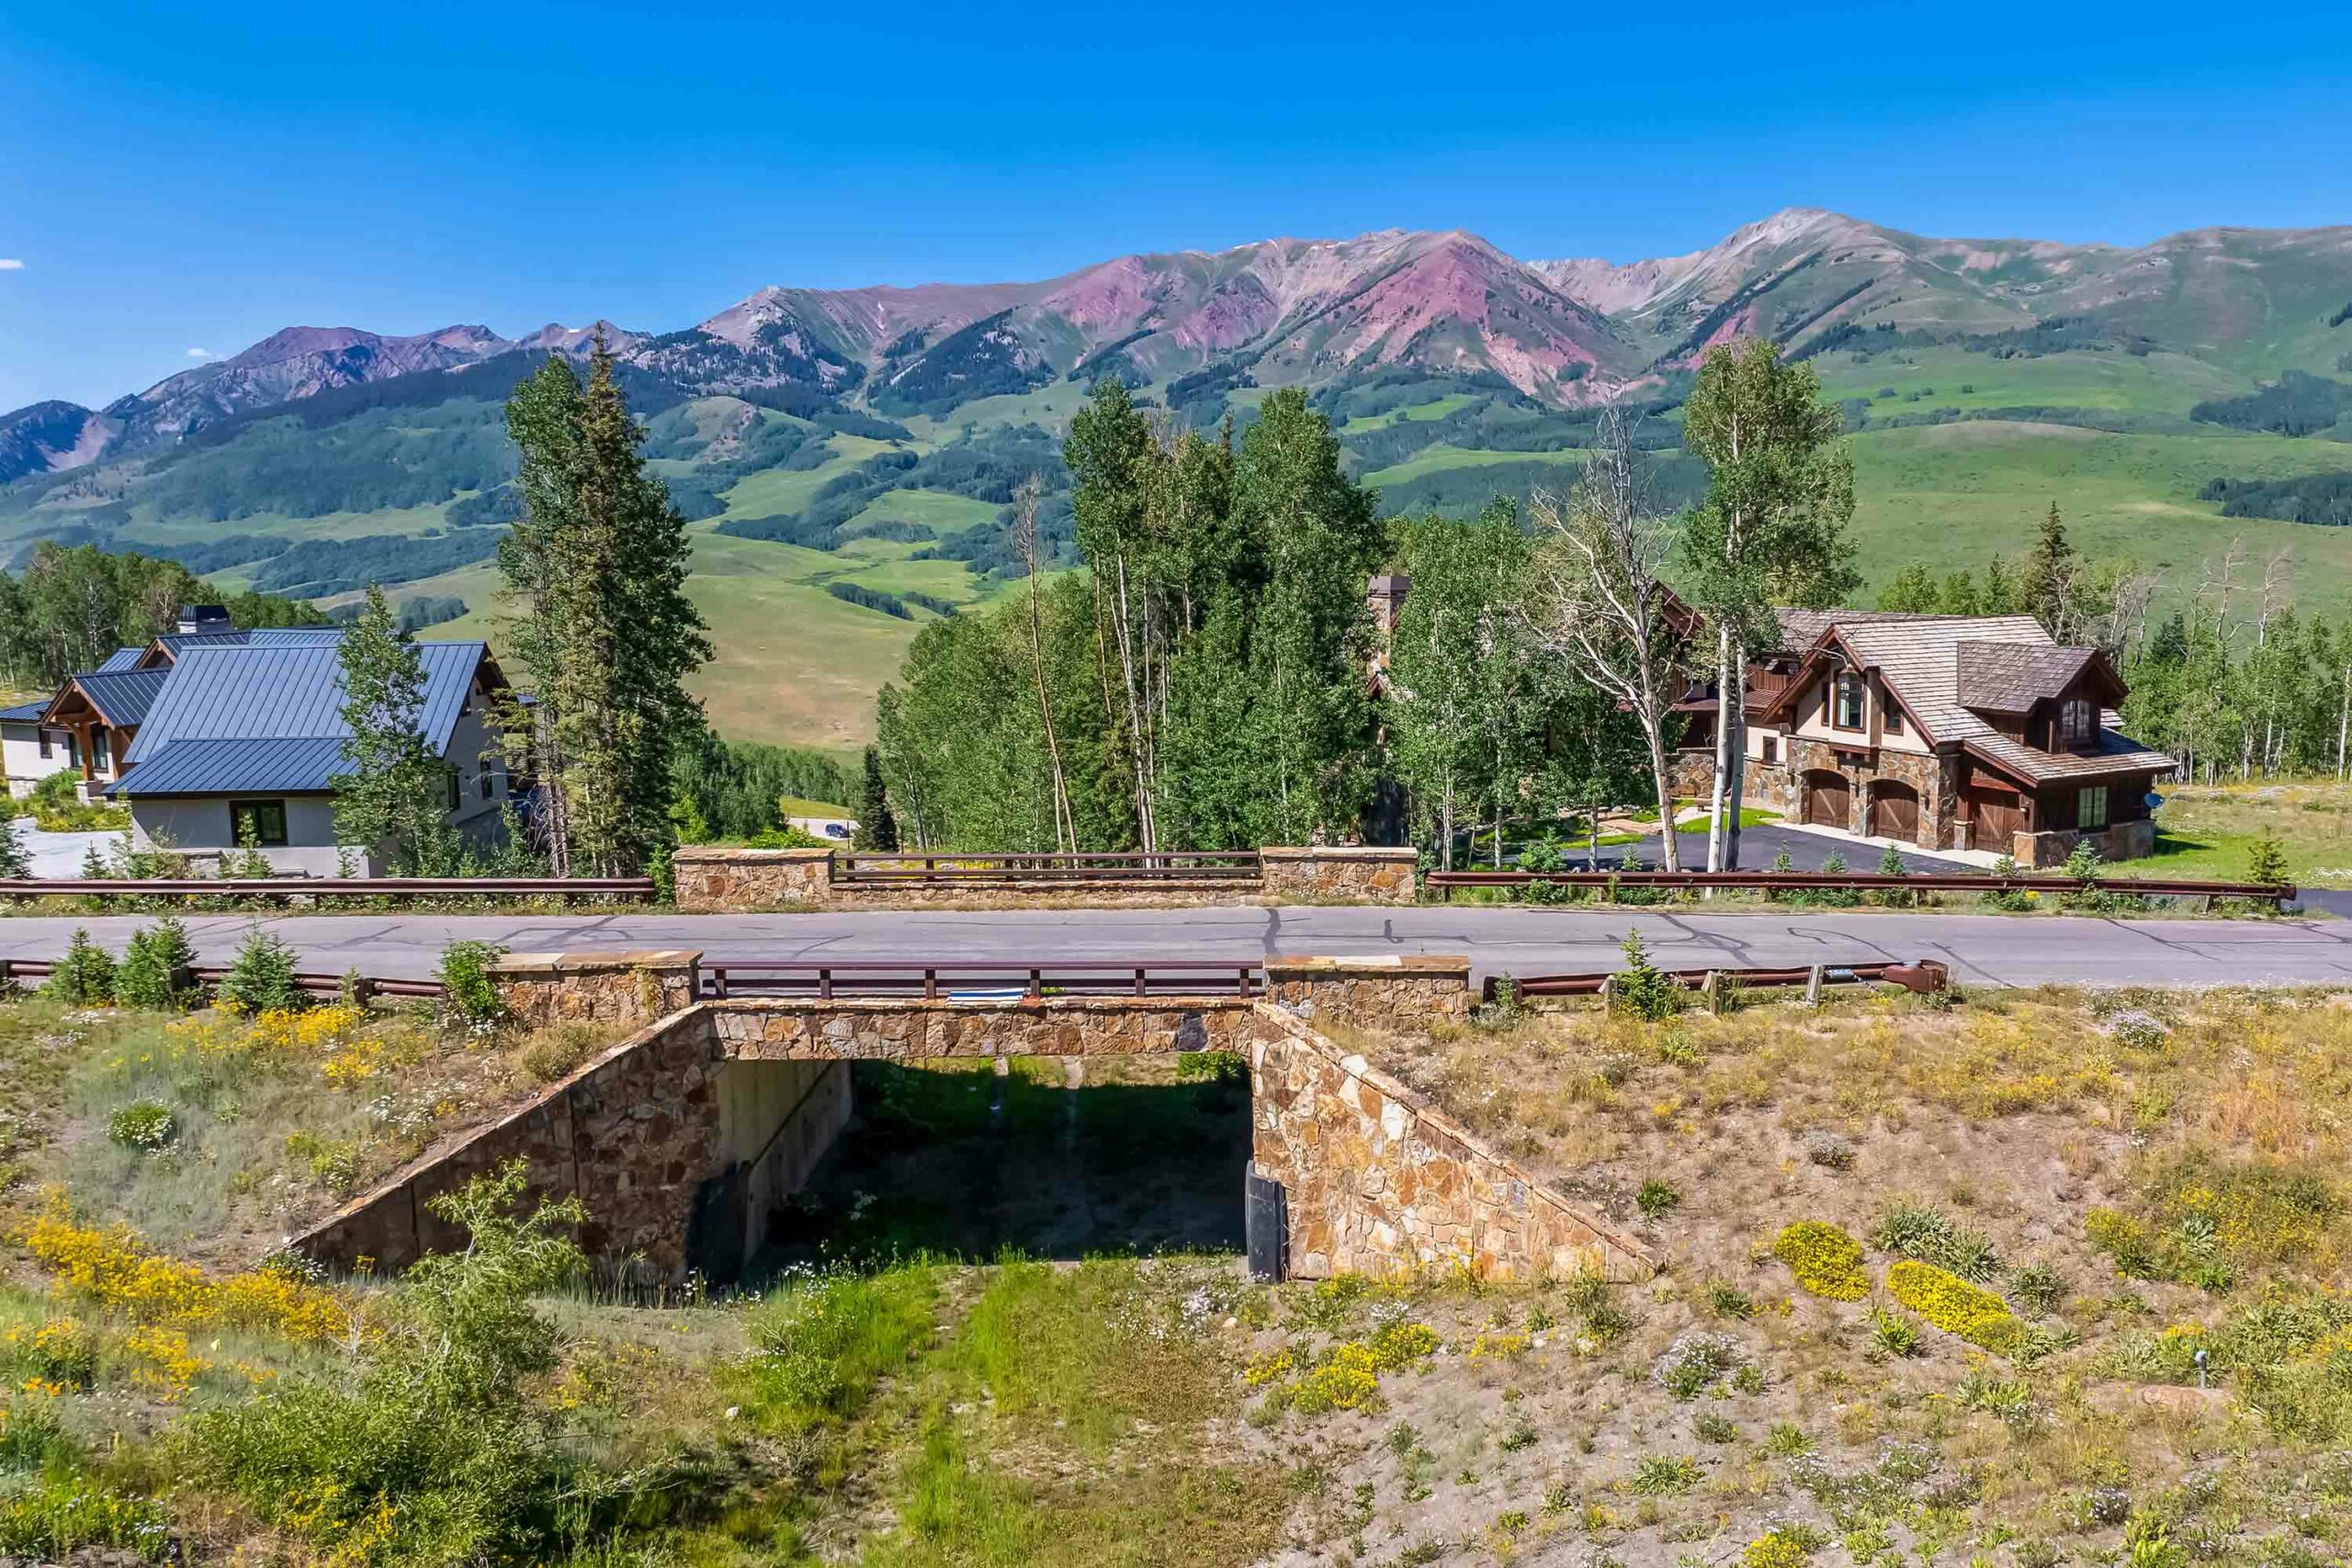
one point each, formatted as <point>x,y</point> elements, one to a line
<point>197,620</point>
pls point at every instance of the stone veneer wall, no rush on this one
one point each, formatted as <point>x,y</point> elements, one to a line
<point>889,1029</point>
<point>621,988</point>
<point>713,879</point>
<point>1378,1181</point>
<point>2051,846</point>
<point>1381,989</point>
<point>1353,875</point>
<point>669,1134</point>
<point>633,1133</point>
<point>1933,776</point>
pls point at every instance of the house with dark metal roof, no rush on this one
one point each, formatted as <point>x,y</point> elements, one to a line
<point>1948,732</point>
<point>30,749</point>
<point>102,710</point>
<point>244,738</point>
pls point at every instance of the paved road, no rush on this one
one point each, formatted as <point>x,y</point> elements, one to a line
<point>1981,949</point>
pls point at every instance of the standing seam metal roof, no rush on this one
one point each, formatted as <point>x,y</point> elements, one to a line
<point>238,766</point>
<point>287,692</point>
<point>121,658</point>
<point>122,697</point>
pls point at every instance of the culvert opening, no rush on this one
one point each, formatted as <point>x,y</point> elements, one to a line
<point>1052,1158</point>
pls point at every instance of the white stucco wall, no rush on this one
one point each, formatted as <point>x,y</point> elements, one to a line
<point>20,759</point>
<point>199,827</point>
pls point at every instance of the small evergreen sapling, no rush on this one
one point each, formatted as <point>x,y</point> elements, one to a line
<point>84,977</point>
<point>154,972</point>
<point>1642,990</point>
<point>2268,864</point>
<point>262,979</point>
<point>16,861</point>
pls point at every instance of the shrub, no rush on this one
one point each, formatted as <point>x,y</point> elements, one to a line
<point>1828,1148</point>
<point>1696,1361</point>
<point>1727,1300</point>
<point>1714,1428</point>
<point>1891,865</point>
<point>262,978</point>
<point>1955,1306</point>
<point>65,1510</point>
<point>2016,901</point>
<point>1641,989</point>
<point>1664,1475</point>
<point>84,977</point>
<point>1825,1260</point>
<point>154,971</point>
<point>1786,1546</point>
<point>2140,1029</point>
<point>822,1346</point>
<point>1212,1068</point>
<point>469,994</point>
<point>15,862</point>
<point>435,1454</point>
<point>1913,1230</point>
<point>144,1125</point>
<point>2038,1288</point>
<point>1786,1441</point>
<point>1349,1379</point>
<point>1656,1199</point>
<point>1894,1334</point>
<point>115,1269</point>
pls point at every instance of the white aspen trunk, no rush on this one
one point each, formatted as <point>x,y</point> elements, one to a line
<point>2343,721</point>
<point>1737,714</point>
<point>1725,694</point>
<point>1662,781</point>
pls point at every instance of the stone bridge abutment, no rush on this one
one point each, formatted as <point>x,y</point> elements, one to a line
<point>684,1138</point>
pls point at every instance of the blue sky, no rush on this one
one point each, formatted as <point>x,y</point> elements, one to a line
<point>195,177</point>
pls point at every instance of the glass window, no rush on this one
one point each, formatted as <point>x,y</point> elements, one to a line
<point>1771,748</point>
<point>44,745</point>
<point>456,790</point>
<point>2090,807</point>
<point>257,821</point>
<point>2077,722</point>
<point>1848,712</point>
<point>98,750</point>
<point>1893,718</point>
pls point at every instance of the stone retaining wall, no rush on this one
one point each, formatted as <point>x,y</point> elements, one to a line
<point>715,879</point>
<point>633,1133</point>
<point>1379,1181</point>
<point>621,988</point>
<point>1381,989</point>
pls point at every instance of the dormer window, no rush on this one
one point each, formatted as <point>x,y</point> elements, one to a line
<point>1846,703</point>
<point>1891,718</point>
<point>2078,722</point>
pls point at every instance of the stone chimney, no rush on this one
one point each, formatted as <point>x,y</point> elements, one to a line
<point>197,620</point>
<point>1385,597</point>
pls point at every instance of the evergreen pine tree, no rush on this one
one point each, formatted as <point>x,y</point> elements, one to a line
<point>393,801</point>
<point>876,828</point>
<point>2048,584</point>
<point>15,859</point>
<point>599,565</point>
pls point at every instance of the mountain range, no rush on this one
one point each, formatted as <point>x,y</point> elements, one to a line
<point>1562,333</point>
<point>847,456</point>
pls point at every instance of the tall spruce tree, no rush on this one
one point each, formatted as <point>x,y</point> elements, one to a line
<point>1771,530</point>
<point>598,565</point>
<point>2050,586</point>
<point>876,828</point>
<point>394,799</point>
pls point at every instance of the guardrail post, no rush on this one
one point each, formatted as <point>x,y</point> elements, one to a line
<point>1608,991</point>
<point>1812,986</point>
<point>1712,988</point>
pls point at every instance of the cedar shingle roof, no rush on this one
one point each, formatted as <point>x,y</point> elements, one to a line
<point>2010,677</point>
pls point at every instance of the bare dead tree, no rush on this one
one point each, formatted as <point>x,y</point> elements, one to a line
<point>1599,601</point>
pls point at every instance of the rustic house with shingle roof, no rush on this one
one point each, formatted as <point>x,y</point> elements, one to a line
<point>1947,731</point>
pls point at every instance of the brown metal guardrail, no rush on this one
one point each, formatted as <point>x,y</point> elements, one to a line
<point>1864,882</point>
<point>991,979</point>
<point>1921,977</point>
<point>614,889</point>
<point>16,971</point>
<point>870,867</point>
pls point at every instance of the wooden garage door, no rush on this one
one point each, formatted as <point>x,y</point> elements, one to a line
<point>1827,798</point>
<point>1994,815</point>
<point>1894,811</point>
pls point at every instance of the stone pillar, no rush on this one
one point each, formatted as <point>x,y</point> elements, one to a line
<point>1382,989</point>
<point>625,989</point>
<point>713,878</point>
<point>1360,873</point>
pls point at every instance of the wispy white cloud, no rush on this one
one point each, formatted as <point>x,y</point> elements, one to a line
<point>200,354</point>
<point>11,264</point>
